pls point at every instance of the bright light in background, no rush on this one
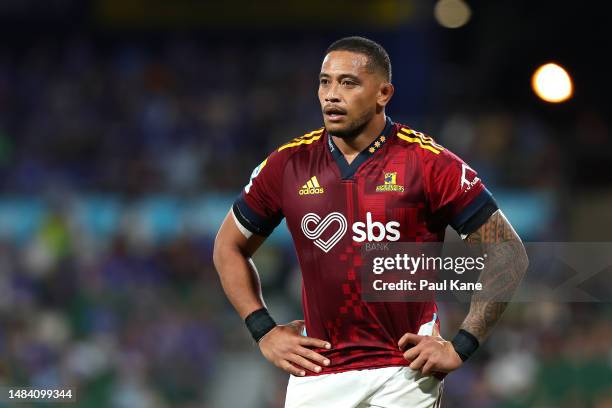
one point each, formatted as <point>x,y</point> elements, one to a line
<point>452,13</point>
<point>552,83</point>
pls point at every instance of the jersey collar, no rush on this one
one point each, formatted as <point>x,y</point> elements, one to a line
<point>348,170</point>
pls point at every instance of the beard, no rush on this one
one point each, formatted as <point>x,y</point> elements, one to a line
<point>353,128</point>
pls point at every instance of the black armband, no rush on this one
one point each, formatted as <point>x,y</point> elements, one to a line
<point>259,323</point>
<point>465,344</point>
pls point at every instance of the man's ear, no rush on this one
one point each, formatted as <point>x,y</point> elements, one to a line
<point>385,92</point>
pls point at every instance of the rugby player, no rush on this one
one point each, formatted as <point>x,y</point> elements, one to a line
<point>332,185</point>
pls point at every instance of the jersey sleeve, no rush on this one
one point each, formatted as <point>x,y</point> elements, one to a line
<point>258,208</point>
<point>456,195</point>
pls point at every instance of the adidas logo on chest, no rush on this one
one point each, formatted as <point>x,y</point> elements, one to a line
<point>312,186</point>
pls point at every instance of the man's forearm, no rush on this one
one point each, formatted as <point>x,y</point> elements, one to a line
<point>239,279</point>
<point>504,269</point>
<point>240,283</point>
<point>232,258</point>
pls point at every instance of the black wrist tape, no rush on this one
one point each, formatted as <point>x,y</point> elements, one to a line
<point>465,344</point>
<point>259,323</point>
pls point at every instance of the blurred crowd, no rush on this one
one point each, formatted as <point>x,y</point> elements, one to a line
<point>140,118</point>
<point>193,115</point>
<point>134,322</point>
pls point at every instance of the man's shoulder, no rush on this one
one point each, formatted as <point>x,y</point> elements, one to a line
<point>433,158</point>
<point>308,141</point>
<point>274,164</point>
<point>426,149</point>
<point>424,146</point>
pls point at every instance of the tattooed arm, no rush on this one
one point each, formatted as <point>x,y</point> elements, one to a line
<point>504,268</point>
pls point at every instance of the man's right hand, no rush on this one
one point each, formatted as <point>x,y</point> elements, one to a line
<point>287,349</point>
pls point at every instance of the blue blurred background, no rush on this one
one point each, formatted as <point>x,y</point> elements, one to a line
<point>128,127</point>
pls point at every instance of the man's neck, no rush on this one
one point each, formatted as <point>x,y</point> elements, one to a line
<point>351,147</point>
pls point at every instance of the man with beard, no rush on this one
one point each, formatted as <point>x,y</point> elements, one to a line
<point>360,179</point>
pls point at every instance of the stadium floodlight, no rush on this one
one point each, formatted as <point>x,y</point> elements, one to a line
<point>552,83</point>
<point>452,13</point>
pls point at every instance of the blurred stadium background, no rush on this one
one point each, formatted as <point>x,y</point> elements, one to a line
<point>127,127</point>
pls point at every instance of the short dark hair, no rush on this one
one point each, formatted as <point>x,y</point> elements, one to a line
<point>378,59</point>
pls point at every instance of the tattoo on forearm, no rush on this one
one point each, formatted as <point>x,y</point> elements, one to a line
<point>504,268</point>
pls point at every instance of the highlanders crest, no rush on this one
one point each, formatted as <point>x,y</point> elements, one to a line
<point>390,183</point>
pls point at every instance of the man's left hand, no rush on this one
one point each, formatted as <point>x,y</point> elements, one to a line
<point>430,353</point>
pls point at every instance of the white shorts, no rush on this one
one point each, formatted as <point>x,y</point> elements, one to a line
<point>389,387</point>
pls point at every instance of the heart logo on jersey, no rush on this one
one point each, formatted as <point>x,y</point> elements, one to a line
<point>321,225</point>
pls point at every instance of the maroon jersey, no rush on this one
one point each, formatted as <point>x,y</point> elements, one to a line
<point>404,187</point>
